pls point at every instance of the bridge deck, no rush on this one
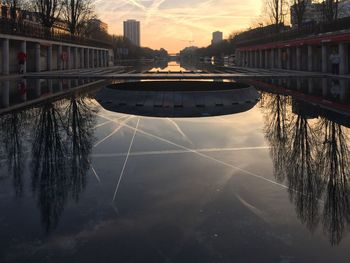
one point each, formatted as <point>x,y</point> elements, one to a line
<point>227,73</point>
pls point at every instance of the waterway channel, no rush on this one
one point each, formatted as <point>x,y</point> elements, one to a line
<point>202,171</point>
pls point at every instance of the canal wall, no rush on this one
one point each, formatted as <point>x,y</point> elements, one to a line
<point>304,54</point>
<point>47,55</point>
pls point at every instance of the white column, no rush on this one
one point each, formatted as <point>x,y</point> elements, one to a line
<point>59,57</point>
<point>289,59</point>
<point>344,63</point>
<point>50,85</point>
<point>92,58</point>
<point>69,58</point>
<point>37,57</point>
<point>309,58</point>
<point>87,52</point>
<point>24,50</point>
<point>344,90</point>
<point>261,59</point>
<point>311,85</point>
<point>5,90</point>
<point>272,58</point>
<point>75,58</point>
<point>298,58</point>
<point>298,84</point>
<point>324,59</point>
<point>266,58</point>
<point>324,87</point>
<point>82,58</point>
<point>98,58</point>
<point>256,59</point>
<point>49,58</point>
<point>5,57</point>
<point>251,58</point>
<point>279,58</point>
<point>37,89</point>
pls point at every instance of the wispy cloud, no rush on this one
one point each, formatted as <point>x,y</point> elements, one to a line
<point>167,23</point>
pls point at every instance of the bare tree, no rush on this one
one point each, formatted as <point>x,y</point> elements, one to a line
<point>277,11</point>
<point>298,9</point>
<point>48,11</point>
<point>330,10</point>
<point>14,5</point>
<point>77,13</point>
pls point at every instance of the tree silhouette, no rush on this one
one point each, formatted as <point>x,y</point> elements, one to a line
<point>80,121</point>
<point>63,139</point>
<point>334,167</point>
<point>276,131</point>
<point>13,133</point>
<point>49,177</point>
<point>305,184</point>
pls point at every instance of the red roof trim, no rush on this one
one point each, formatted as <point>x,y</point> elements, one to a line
<point>316,40</point>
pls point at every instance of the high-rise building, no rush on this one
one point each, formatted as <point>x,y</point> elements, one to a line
<point>217,37</point>
<point>132,31</point>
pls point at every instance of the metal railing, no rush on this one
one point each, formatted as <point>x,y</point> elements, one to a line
<point>305,31</point>
<point>29,29</point>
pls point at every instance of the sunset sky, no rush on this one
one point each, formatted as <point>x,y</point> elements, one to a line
<point>171,24</point>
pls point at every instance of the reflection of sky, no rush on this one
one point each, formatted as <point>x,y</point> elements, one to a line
<point>197,187</point>
<point>172,66</point>
<point>172,24</point>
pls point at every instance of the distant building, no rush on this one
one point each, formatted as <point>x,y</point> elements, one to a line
<point>132,31</point>
<point>217,37</point>
<point>99,25</point>
<point>314,12</point>
<point>30,18</point>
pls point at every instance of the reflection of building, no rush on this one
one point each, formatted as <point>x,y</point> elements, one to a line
<point>132,31</point>
<point>314,12</point>
<point>217,37</point>
<point>98,24</point>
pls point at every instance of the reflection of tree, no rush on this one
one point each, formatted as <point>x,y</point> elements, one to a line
<point>315,160</point>
<point>276,131</point>
<point>49,178</point>
<point>80,122</point>
<point>334,166</point>
<point>12,135</point>
<point>305,184</point>
<point>61,147</point>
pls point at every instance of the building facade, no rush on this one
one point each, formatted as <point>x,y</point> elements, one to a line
<point>132,31</point>
<point>217,37</point>
<point>99,25</point>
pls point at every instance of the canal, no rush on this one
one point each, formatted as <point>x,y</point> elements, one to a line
<point>191,171</point>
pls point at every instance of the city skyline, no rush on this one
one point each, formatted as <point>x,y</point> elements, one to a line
<point>173,25</point>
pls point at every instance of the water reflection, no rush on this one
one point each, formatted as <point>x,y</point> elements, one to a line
<point>334,166</point>
<point>309,146</point>
<point>311,153</point>
<point>81,119</point>
<point>12,134</point>
<point>61,142</point>
<point>49,173</point>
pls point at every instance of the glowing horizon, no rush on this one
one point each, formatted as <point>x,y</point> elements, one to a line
<point>171,24</point>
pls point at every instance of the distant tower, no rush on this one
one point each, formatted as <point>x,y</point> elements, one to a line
<point>217,37</point>
<point>132,31</point>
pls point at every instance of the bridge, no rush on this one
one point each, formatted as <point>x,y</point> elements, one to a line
<point>118,73</point>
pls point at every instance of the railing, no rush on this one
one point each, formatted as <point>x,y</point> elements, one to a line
<point>309,30</point>
<point>28,29</point>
